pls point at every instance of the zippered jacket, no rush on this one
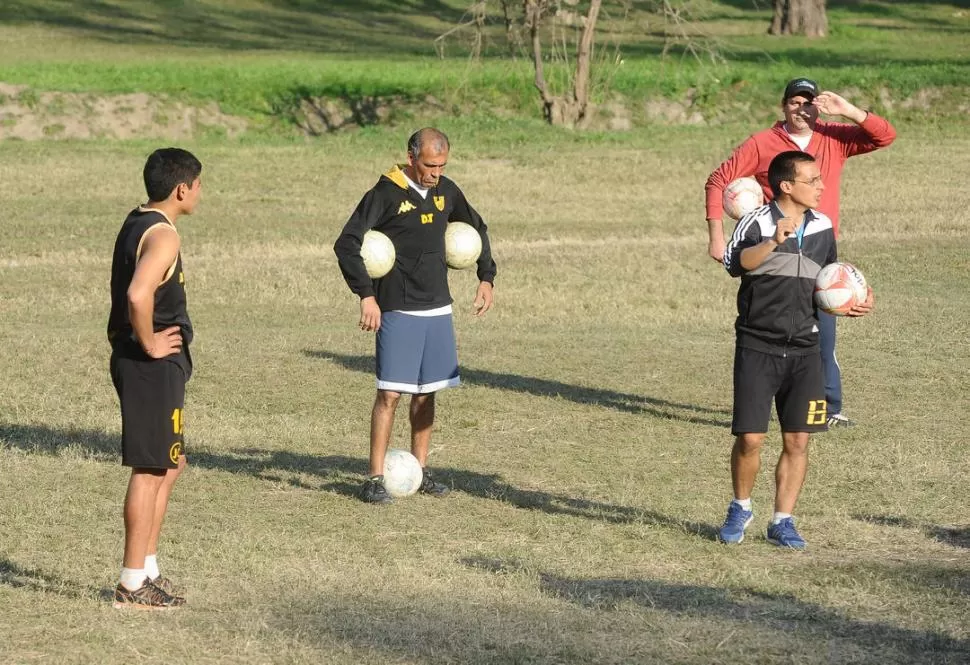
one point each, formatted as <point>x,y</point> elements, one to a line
<point>419,279</point>
<point>776,303</point>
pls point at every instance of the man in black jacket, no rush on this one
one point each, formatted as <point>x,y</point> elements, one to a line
<point>410,307</point>
<point>777,251</point>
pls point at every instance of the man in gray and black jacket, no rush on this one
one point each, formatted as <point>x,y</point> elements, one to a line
<point>778,250</point>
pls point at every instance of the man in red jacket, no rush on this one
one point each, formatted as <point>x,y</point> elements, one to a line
<point>831,144</point>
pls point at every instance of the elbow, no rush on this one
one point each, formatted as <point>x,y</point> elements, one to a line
<point>137,297</point>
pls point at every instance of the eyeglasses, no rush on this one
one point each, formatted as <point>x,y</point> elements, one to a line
<point>814,182</point>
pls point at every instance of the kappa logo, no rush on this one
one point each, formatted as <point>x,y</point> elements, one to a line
<point>439,203</point>
<point>406,206</point>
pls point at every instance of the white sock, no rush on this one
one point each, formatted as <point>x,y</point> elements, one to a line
<point>778,517</point>
<point>132,578</point>
<point>151,566</point>
<point>744,503</point>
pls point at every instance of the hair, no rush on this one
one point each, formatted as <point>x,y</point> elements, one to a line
<point>426,136</point>
<point>166,169</point>
<point>783,167</point>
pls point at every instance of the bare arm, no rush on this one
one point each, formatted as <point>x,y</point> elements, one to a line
<point>160,249</point>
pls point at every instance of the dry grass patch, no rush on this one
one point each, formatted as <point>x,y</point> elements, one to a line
<point>587,447</point>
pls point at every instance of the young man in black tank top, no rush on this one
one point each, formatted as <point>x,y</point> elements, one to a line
<point>150,332</point>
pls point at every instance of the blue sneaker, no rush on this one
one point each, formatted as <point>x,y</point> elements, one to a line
<point>737,520</point>
<point>784,534</point>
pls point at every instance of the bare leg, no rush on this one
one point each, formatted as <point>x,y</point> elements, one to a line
<point>161,503</point>
<point>791,470</point>
<point>381,422</point>
<point>422,420</point>
<point>143,489</point>
<point>745,462</point>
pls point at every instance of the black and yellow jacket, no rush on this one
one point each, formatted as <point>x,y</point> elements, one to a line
<point>416,226</point>
<point>776,302</point>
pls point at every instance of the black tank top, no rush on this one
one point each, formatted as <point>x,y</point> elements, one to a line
<point>170,307</point>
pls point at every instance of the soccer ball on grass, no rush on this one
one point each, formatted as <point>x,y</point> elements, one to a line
<point>402,473</point>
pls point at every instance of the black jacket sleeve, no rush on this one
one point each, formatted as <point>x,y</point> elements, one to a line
<point>463,212</point>
<point>746,234</point>
<point>369,213</point>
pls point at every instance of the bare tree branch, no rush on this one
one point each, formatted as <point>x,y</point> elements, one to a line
<point>533,20</point>
<point>583,52</point>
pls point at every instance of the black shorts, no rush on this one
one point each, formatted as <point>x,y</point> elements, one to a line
<point>152,394</point>
<point>795,383</point>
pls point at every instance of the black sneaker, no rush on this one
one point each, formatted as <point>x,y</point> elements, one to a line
<point>146,597</point>
<point>429,486</point>
<point>373,491</point>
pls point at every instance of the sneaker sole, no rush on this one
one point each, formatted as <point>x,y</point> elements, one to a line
<point>140,607</point>
<point>740,540</point>
<point>778,543</point>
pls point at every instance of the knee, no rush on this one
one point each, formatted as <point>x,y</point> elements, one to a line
<point>388,399</point>
<point>423,401</point>
<point>749,444</point>
<point>796,444</point>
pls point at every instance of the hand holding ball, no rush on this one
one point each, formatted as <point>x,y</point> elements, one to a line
<point>840,287</point>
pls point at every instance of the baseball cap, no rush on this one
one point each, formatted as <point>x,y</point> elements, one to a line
<point>806,87</point>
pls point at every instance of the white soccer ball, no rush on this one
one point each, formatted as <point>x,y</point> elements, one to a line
<point>402,473</point>
<point>742,196</point>
<point>377,250</point>
<point>463,245</point>
<point>839,287</point>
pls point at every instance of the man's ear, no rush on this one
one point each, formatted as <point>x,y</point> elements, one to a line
<point>786,187</point>
<point>180,191</point>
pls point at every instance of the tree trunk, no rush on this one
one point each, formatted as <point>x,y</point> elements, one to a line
<point>568,109</point>
<point>799,17</point>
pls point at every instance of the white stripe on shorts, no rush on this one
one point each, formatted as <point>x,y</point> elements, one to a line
<point>415,389</point>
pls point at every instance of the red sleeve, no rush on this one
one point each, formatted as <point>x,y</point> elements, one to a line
<point>873,133</point>
<point>742,162</point>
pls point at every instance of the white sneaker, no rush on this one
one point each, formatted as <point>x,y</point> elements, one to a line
<point>838,420</point>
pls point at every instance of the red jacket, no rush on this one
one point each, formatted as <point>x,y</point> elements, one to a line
<point>832,143</point>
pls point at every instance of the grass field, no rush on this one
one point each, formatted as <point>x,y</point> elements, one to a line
<point>257,58</point>
<point>588,445</point>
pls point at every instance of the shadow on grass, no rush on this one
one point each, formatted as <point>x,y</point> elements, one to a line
<point>955,536</point>
<point>455,629</point>
<point>608,399</point>
<point>351,26</point>
<point>342,475</point>
<point>783,613</point>
<point>32,579</point>
<point>885,9</point>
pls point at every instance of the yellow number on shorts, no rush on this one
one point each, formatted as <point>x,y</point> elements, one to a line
<point>816,412</point>
<point>178,423</point>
